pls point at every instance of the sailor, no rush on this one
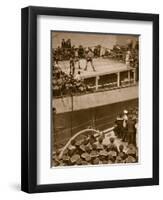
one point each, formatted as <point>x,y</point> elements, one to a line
<point>89,59</point>
<point>125,119</point>
<point>78,76</point>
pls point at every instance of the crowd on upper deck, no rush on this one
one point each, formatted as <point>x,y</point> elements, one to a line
<point>64,84</point>
<point>66,50</point>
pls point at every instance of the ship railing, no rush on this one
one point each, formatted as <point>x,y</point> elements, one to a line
<point>94,84</point>
<point>117,83</point>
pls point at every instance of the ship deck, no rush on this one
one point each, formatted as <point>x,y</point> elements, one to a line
<point>102,67</point>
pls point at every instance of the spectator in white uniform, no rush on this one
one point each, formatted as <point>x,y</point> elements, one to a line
<point>78,76</point>
<point>127,60</point>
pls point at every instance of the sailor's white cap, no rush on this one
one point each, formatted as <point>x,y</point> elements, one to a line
<point>125,111</point>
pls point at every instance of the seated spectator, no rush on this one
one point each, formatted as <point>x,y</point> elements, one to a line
<point>78,76</point>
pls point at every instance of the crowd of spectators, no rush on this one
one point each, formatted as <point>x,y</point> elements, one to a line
<point>66,50</point>
<point>92,150</point>
<point>64,84</point>
<point>126,126</point>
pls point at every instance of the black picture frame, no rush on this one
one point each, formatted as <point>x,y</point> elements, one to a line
<point>29,98</point>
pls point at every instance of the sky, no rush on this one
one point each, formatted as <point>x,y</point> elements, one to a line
<point>91,39</point>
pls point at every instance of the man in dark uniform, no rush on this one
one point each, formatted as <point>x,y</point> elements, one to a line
<point>63,43</point>
<point>118,130</point>
<point>131,131</point>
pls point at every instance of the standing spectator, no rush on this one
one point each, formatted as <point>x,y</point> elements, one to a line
<point>119,126</point>
<point>136,130</point>
<point>59,53</point>
<point>131,131</point>
<point>125,119</point>
<point>63,43</point>
<point>68,43</point>
<point>127,59</point>
<point>89,59</point>
<point>136,64</point>
<point>72,50</point>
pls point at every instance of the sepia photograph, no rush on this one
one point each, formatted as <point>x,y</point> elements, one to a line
<point>94,99</point>
<point>89,99</point>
